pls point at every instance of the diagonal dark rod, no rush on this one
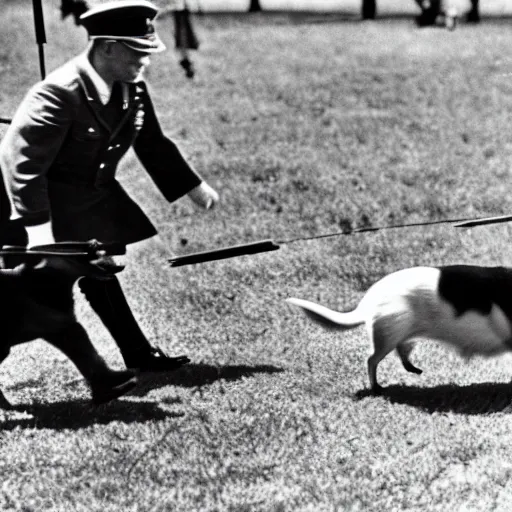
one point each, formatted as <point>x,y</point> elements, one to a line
<point>40,33</point>
<point>224,253</point>
<point>270,245</point>
<point>375,228</point>
<point>77,249</point>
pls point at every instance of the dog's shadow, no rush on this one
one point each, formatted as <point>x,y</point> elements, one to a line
<point>479,398</point>
<point>78,414</point>
<point>198,375</point>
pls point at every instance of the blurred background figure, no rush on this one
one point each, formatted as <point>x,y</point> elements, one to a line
<point>74,8</point>
<point>437,13</point>
<point>184,36</point>
<point>473,15</point>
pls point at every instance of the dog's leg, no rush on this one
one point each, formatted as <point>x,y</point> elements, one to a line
<point>404,349</point>
<point>105,383</point>
<point>74,342</point>
<point>385,334</point>
<point>380,352</point>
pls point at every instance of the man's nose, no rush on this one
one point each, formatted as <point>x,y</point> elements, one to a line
<point>145,60</point>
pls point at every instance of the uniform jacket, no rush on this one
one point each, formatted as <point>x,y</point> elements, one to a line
<point>60,154</point>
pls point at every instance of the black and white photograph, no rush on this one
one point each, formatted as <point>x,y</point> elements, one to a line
<point>255,255</point>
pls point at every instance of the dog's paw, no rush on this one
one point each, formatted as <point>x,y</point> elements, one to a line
<point>413,369</point>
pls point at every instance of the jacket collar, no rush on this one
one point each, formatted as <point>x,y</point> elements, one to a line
<point>90,85</point>
<point>102,89</point>
<point>83,68</point>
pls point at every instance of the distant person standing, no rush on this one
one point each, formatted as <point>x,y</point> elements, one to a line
<point>74,8</point>
<point>437,13</point>
<point>185,38</point>
<point>60,155</point>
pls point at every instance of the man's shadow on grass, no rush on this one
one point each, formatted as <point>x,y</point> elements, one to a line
<point>78,414</point>
<point>479,398</point>
<point>198,375</point>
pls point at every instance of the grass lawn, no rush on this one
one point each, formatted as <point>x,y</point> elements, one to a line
<point>305,126</point>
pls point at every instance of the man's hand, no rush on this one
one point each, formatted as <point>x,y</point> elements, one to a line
<point>40,234</point>
<point>204,196</point>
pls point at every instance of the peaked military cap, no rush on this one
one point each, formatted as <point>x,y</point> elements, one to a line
<point>128,21</point>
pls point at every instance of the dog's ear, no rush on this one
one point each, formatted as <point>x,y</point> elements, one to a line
<point>70,266</point>
<point>37,263</point>
<point>33,263</point>
<point>82,266</point>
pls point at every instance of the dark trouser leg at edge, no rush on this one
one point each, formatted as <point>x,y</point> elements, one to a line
<point>4,403</point>
<point>109,302</point>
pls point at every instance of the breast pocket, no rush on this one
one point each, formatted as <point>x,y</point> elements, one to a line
<point>82,146</point>
<point>86,133</point>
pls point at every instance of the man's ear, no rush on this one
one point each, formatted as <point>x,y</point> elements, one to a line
<point>106,48</point>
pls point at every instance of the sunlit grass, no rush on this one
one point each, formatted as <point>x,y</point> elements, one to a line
<point>304,129</point>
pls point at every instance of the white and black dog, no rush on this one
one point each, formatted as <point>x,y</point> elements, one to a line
<point>467,307</point>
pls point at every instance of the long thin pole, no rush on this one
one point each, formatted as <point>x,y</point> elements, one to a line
<point>369,229</point>
<point>271,245</point>
<point>40,33</point>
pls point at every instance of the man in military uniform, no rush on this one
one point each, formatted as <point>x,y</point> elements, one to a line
<point>60,153</point>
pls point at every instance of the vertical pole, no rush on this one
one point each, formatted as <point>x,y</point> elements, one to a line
<point>40,33</point>
<point>369,9</point>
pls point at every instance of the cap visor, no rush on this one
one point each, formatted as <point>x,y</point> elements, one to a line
<point>139,44</point>
<point>144,46</point>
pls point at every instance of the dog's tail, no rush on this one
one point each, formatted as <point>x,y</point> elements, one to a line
<point>328,317</point>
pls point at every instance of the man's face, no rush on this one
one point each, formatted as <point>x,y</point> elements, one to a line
<point>127,64</point>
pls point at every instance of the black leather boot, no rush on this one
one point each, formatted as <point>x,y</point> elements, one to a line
<point>109,302</point>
